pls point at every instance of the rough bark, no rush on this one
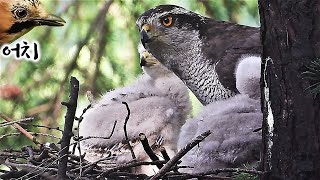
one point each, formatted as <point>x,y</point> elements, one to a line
<point>290,33</point>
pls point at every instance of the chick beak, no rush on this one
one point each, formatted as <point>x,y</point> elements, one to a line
<point>143,61</point>
<point>144,34</point>
<point>148,60</point>
<point>50,20</point>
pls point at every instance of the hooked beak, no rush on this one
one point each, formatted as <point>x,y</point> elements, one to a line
<point>147,60</point>
<point>144,34</point>
<point>50,20</point>
<point>143,62</point>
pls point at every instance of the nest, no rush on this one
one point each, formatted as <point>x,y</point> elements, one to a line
<point>55,161</point>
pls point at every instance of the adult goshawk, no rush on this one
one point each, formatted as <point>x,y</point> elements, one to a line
<point>201,51</point>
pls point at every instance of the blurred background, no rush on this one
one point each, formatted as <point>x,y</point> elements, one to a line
<point>97,46</point>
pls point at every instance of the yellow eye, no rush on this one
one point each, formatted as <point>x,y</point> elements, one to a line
<point>167,21</point>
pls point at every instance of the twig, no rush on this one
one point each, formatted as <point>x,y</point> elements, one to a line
<point>23,131</point>
<point>126,175</point>
<point>77,144</point>
<point>177,175</point>
<point>47,127</point>
<point>216,171</point>
<point>17,121</point>
<point>92,164</point>
<point>148,150</point>
<point>125,131</point>
<point>33,169</point>
<point>164,154</point>
<point>180,154</point>
<point>67,133</point>
<point>100,137</point>
<point>78,137</point>
<point>32,133</point>
<point>129,165</point>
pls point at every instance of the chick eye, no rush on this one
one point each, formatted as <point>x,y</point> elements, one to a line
<point>21,12</point>
<point>167,21</point>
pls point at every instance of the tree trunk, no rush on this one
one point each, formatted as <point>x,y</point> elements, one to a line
<point>290,33</point>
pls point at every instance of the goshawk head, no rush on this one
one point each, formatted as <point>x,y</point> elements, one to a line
<point>166,29</point>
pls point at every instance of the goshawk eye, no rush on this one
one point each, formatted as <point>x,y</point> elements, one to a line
<point>21,12</point>
<point>167,21</point>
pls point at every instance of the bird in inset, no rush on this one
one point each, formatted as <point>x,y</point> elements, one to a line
<point>233,142</point>
<point>159,105</point>
<point>20,16</point>
<point>201,51</point>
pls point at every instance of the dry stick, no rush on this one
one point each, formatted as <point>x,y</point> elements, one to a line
<point>125,131</point>
<point>164,154</point>
<point>129,165</point>
<point>67,132</point>
<point>170,175</point>
<point>216,171</point>
<point>20,121</point>
<point>23,131</point>
<point>167,167</point>
<point>32,133</point>
<point>78,142</point>
<point>127,175</point>
<point>31,167</point>
<point>46,127</point>
<point>100,137</point>
<point>148,150</point>
<point>166,157</point>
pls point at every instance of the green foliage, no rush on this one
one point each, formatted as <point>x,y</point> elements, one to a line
<point>107,57</point>
<point>313,74</point>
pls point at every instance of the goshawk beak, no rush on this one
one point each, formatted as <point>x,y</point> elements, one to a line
<point>50,20</point>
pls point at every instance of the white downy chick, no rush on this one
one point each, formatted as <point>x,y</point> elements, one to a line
<point>159,105</point>
<point>232,142</point>
<point>248,73</point>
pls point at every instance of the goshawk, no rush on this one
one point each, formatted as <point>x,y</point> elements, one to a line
<point>201,51</point>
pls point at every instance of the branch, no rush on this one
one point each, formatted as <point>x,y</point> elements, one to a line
<point>125,130</point>
<point>129,165</point>
<point>167,167</point>
<point>23,131</point>
<point>216,171</point>
<point>20,121</point>
<point>148,149</point>
<point>164,154</point>
<point>67,133</point>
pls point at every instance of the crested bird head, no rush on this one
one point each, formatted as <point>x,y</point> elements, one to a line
<point>168,29</point>
<point>19,16</point>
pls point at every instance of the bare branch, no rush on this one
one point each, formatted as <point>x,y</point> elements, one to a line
<point>167,167</point>
<point>148,150</point>
<point>67,133</point>
<point>13,122</point>
<point>129,165</point>
<point>17,126</point>
<point>125,130</point>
